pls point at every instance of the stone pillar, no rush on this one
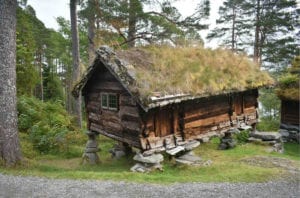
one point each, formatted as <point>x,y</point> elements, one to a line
<point>227,141</point>
<point>90,155</point>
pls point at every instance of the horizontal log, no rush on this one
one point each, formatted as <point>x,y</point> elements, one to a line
<point>127,100</point>
<point>206,108</point>
<point>211,120</point>
<point>131,126</point>
<point>130,134</point>
<point>130,118</point>
<point>116,86</point>
<point>93,96</point>
<point>128,110</point>
<point>250,110</point>
<point>206,114</point>
<point>135,143</point>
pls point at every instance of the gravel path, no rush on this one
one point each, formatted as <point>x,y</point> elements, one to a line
<point>19,186</point>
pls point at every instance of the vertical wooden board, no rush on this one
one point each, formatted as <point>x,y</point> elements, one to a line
<point>157,124</point>
<point>238,104</point>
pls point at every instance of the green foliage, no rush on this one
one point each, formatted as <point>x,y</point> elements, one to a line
<point>53,89</point>
<point>269,112</point>
<point>276,21</point>
<point>288,87</point>
<point>288,80</point>
<point>232,25</point>
<point>27,74</point>
<point>161,23</point>
<point>242,136</point>
<point>270,104</point>
<point>47,124</point>
<point>268,123</point>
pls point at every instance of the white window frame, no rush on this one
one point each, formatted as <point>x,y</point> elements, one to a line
<point>108,101</point>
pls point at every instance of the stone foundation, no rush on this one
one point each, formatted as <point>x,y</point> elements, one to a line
<point>269,139</point>
<point>290,133</point>
<point>90,155</point>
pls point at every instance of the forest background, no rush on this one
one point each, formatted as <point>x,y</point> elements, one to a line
<point>266,30</point>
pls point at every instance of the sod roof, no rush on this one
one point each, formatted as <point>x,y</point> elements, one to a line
<point>288,87</point>
<point>159,75</point>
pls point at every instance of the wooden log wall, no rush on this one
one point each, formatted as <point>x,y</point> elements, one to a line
<point>209,114</point>
<point>197,119</point>
<point>123,124</point>
<point>290,112</point>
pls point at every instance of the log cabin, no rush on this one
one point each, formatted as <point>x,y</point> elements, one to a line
<point>288,92</point>
<point>155,98</point>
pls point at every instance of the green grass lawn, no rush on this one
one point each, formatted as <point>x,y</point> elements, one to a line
<point>227,166</point>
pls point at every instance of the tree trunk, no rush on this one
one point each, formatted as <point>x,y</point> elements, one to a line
<point>233,42</point>
<point>91,32</point>
<point>132,22</point>
<point>256,39</point>
<point>9,140</point>
<point>76,58</point>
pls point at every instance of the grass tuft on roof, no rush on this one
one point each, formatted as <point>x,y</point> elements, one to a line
<point>195,71</point>
<point>288,87</point>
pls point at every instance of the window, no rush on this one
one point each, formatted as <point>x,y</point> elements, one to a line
<point>109,101</point>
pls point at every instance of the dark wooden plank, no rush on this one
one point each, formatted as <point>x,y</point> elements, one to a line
<point>207,114</point>
<point>131,118</point>
<point>210,120</point>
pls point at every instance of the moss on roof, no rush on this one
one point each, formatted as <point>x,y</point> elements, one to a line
<point>195,72</point>
<point>288,87</point>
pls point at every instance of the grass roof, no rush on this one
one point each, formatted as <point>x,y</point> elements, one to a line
<point>195,72</point>
<point>288,87</point>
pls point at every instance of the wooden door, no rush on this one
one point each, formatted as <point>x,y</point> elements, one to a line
<point>238,104</point>
<point>164,123</point>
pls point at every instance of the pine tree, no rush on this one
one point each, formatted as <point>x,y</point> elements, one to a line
<point>134,25</point>
<point>76,60</point>
<point>9,141</point>
<point>266,26</point>
<point>276,21</point>
<point>233,26</point>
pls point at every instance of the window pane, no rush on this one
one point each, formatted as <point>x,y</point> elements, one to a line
<point>104,100</point>
<point>112,100</point>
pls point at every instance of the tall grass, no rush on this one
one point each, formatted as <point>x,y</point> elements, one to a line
<point>192,70</point>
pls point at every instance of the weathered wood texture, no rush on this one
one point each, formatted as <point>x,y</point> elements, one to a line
<point>164,127</point>
<point>123,124</point>
<point>290,112</point>
<point>196,119</point>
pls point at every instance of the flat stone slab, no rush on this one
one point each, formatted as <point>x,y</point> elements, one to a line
<point>190,156</point>
<point>245,127</point>
<point>191,145</point>
<point>175,150</point>
<point>151,159</point>
<point>233,130</point>
<point>204,139</point>
<point>138,167</point>
<point>252,139</point>
<point>266,136</point>
<point>145,168</point>
<point>192,160</point>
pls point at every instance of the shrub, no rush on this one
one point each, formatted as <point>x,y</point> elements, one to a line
<point>47,124</point>
<point>268,123</point>
<point>242,137</point>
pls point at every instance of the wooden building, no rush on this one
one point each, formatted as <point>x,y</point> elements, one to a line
<point>156,98</point>
<point>288,92</point>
